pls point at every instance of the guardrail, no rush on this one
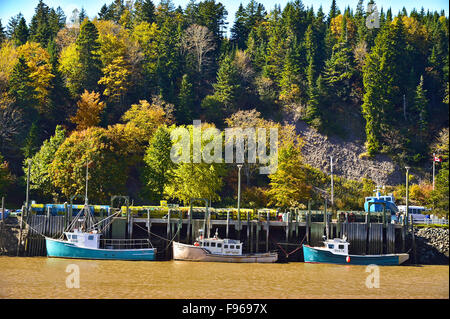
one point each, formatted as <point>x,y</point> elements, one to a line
<point>431,221</point>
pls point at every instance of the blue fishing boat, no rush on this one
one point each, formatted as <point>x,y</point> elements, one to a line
<point>335,251</point>
<point>379,203</point>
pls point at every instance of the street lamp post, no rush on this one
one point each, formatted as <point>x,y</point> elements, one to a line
<point>239,196</point>
<point>332,184</point>
<point>28,189</point>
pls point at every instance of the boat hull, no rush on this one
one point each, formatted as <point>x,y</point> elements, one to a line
<point>62,249</point>
<point>194,253</point>
<point>317,255</point>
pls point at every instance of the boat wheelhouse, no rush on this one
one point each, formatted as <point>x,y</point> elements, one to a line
<point>219,246</point>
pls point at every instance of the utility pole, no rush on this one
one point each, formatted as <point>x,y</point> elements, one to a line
<point>407,194</point>
<point>404,107</point>
<point>434,161</point>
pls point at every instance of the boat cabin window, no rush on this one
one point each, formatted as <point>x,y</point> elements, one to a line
<point>231,246</point>
<point>207,244</point>
<point>330,246</point>
<point>90,237</point>
<point>341,246</point>
<point>74,237</point>
<point>225,246</point>
<point>219,245</point>
<point>213,244</point>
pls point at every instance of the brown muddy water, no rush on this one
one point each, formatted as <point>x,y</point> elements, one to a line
<point>41,277</point>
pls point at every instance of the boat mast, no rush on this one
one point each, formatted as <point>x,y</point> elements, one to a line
<point>87,178</point>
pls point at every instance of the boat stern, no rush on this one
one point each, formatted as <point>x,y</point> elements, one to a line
<point>402,258</point>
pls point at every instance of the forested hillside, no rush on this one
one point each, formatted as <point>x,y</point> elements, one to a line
<point>109,89</point>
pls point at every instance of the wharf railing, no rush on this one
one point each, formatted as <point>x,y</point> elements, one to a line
<point>430,221</point>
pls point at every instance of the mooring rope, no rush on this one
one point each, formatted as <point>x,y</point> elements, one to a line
<point>290,253</point>
<point>170,241</point>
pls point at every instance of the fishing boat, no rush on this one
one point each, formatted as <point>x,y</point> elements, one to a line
<point>335,251</point>
<point>86,245</point>
<point>83,240</point>
<point>219,250</point>
<point>379,203</point>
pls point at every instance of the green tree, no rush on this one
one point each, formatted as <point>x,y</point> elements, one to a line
<point>226,88</point>
<point>158,164</point>
<point>384,77</point>
<point>186,102</point>
<point>2,33</point>
<point>87,47</point>
<point>145,11</point>
<point>289,185</point>
<point>20,35</point>
<point>339,72</point>
<point>32,141</point>
<point>40,30</point>
<point>40,179</point>
<point>110,153</point>
<point>21,87</point>
<point>420,107</point>
<point>196,180</point>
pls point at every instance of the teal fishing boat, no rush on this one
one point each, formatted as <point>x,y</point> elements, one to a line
<point>83,240</point>
<point>335,251</point>
<point>86,245</point>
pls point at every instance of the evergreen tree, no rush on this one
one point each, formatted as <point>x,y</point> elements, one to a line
<point>82,15</point>
<point>339,72</point>
<point>87,46</point>
<point>21,88</point>
<point>226,88</point>
<point>117,8</point>
<point>2,33</point>
<point>57,21</point>
<point>420,108</point>
<point>59,94</point>
<point>20,35</point>
<point>40,30</point>
<point>32,142</point>
<point>313,114</point>
<point>239,31</point>
<point>105,13</point>
<point>169,59</point>
<point>12,25</point>
<point>186,102</point>
<point>145,11</point>
<point>334,11</point>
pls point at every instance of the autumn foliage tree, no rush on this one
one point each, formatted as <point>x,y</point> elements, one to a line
<point>89,110</point>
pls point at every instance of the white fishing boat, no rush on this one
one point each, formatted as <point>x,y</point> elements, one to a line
<point>219,250</point>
